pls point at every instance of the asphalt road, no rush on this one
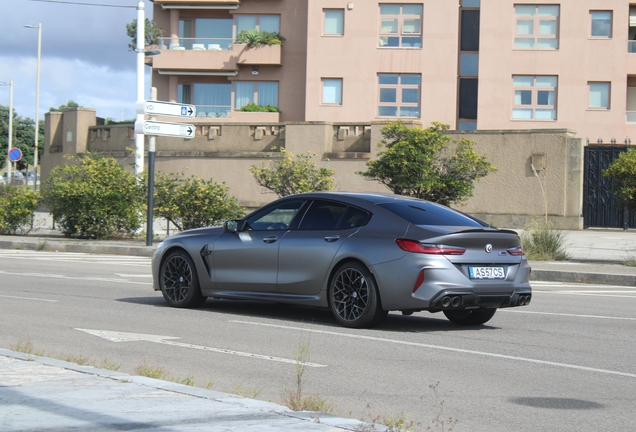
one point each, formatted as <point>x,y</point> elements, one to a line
<point>565,363</point>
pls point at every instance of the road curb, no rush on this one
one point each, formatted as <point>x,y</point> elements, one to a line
<point>582,277</point>
<point>46,244</point>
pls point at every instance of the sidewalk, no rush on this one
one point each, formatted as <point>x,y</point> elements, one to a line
<point>38,393</point>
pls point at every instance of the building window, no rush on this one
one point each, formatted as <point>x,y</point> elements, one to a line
<point>601,24</point>
<point>536,27</point>
<point>269,23</point>
<point>534,97</point>
<point>401,25</point>
<point>334,22</point>
<point>259,93</point>
<point>399,95</point>
<point>332,91</point>
<point>599,95</point>
<point>211,100</point>
<point>204,33</point>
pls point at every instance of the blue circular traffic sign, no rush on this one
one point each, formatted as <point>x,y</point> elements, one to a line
<point>15,154</point>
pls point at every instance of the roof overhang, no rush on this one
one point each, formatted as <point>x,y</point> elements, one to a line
<point>196,73</point>
<point>198,4</point>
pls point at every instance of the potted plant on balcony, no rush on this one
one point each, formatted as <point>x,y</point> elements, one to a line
<point>255,38</point>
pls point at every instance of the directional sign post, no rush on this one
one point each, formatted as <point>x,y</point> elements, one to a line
<point>182,130</point>
<point>15,154</point>
<point>158,108</point>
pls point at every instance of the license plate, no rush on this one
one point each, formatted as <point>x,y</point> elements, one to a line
<point>486,272</point>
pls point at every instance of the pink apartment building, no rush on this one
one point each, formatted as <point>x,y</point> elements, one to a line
<point>472,64</point>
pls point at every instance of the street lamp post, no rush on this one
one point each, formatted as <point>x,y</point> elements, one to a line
<point>139,138</point>
<point>10,84</point>
<point>37,105</point>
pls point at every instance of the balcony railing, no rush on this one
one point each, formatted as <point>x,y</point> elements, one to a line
<point>196,44</point>
<point>631,117</point>
<point>631,46</point>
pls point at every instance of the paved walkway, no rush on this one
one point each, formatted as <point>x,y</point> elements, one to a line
<point>42,394</point>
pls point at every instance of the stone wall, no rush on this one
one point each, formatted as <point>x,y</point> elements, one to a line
<point>510,197</point>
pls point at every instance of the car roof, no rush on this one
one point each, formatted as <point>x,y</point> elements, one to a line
<point>371,197</point>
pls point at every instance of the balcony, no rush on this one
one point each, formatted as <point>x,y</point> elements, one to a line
<point>207,54</point>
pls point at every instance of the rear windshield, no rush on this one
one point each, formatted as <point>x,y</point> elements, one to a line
<point>424,213</point>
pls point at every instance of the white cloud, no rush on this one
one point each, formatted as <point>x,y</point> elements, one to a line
<point>84,56</point>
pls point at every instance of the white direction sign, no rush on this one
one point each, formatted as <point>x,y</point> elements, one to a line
<point>159,108</point>
<point>182,130</point>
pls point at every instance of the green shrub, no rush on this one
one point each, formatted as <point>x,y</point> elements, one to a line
<point>252,107</point>
<point>287,176</point>
<point>194,203</point>
<point>427,163</point>
<point>94,197</point>
<point>542,243</point>
<point>623,171</point>
<point>17,205</point>
<point>255,38</point>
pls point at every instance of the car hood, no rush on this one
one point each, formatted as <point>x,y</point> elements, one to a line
<point>196,232</point>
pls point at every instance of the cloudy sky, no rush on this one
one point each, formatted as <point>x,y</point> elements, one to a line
<point>85,56</point>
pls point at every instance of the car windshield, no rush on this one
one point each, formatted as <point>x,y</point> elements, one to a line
<point>426,213</point>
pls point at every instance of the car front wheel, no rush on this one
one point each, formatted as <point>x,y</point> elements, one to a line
<point>470,317</point>
<point>179,281</point>
<point>353,296</point>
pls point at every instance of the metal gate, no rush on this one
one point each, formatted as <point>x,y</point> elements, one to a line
<point>600,208</point>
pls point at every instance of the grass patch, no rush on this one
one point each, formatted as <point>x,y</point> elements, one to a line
<point>151,371</point>
<point>543,243</point>
<point>80,360</point>
<point>630,262</point>
<point>109,365</point>
<point>295,398</point>
<point>26,347</point>
<point>249,392</point>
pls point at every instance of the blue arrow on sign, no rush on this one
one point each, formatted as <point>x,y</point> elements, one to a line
<point>15,154</point>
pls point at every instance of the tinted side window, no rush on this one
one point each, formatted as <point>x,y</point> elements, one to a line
<point>322,215</point>
<point>354,218</point>
<point>420,213</point>
<point>276,217</point>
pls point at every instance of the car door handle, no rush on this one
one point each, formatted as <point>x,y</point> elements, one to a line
<point>331,239</point>
<point>270,239</point>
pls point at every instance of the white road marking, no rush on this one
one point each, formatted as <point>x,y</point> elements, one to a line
<point>59,276</point>
<point>445,348</point>
<point>136,337</point>
<point>568,315</point>
<point>133,275</point>
<point>29,298</point>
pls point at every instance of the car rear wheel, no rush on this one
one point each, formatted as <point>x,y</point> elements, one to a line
<point>179,281</point>
<point>353,296</point>
<point>470,317</point>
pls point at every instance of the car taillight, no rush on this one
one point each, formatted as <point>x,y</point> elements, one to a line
<point>430,249</point>
<point>516,251</point>
<point>419,281</point>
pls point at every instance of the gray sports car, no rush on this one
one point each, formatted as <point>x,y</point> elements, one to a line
<point>360,254</point>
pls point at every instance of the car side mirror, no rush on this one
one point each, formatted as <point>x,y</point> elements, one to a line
<point>233,226</point>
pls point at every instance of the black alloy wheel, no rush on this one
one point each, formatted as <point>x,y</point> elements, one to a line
<point>354,298</point>
<point>470,317</point>
<point>179,281</point>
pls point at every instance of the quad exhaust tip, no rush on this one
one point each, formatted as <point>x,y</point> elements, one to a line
<point>454,301</point>
<point>524,300</point>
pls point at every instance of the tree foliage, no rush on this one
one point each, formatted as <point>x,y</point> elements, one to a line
<point>23,137</point>
<point>427,163</point>
<point>65,106</point>
<point>17,205</point>
<point>94,197</point>
<point>623,171</point>
<point>151,37</point>
<point>291,174</point>
<point>194,203</point>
